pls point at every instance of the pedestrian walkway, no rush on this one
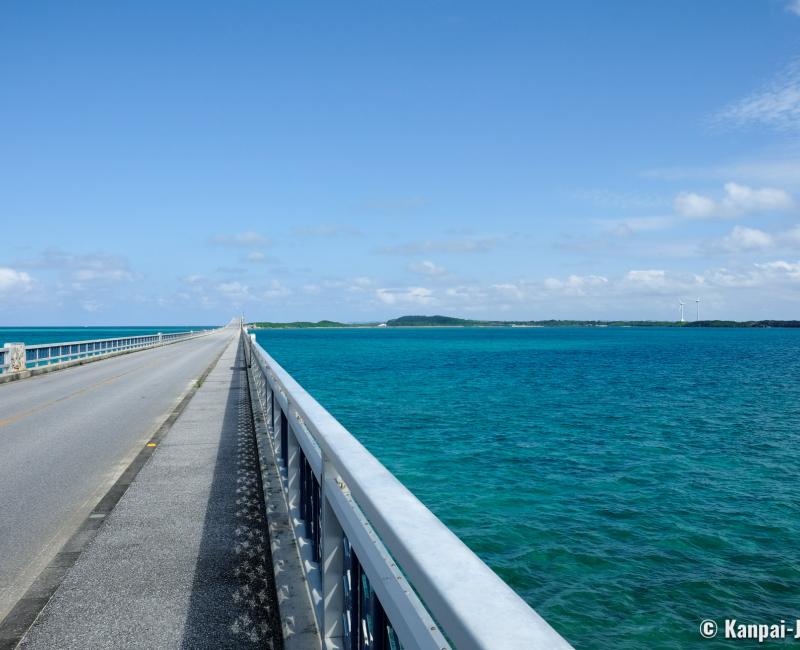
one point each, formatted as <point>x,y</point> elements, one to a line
<point>183,561</point>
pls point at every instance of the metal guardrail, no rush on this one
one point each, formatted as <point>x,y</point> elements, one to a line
<point>15,357</point>
<point>383,570</point>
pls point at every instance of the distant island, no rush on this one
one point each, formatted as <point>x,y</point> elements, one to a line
<point>449,321</point>
<point>305,325</point>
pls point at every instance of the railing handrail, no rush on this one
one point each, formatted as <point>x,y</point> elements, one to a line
<point>113,338</point>
<point>59,353</point>
<point>471,603</point>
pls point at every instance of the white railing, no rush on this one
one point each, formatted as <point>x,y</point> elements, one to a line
<point>15,357</point>
<point>383,570</point>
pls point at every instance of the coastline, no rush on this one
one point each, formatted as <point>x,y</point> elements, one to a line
<point>701,325</point>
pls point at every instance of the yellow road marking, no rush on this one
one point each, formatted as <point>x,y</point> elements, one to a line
<point>151,444</point>
<point>24,414</point>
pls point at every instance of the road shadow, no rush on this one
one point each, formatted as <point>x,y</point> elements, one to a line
<point>233,602</point>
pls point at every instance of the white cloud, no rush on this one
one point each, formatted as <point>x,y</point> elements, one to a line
<point>789,270</point>
<point>90,306</point>
<point>247,239</point>
<point>83,272</point>
<point>234,290</point>
<point>275,290</point>
<point>99,273</point>
<point>459,245</point>
<point>633,292</point>
<point>777,105</point>
<point>743,239</point>
<point>407,296</point>
<point>257,257</point>
<point>13,280</point>
<point>740,199</point>
<point>646,292</point>
<point>724,278</point>
<point>737,200</point>
<point>575,285</point>
<point>791,237</point>
<point>578,296</point>
<point>239,292</point>
<point>794,7</point>
<point>695,206</point>
<point>426,267</point>
<point>509,290</point>
<point>359,284</point>
<point>467,293</point>
<point>766,277</point>
<point>208,292</point>
<point>652,279</point>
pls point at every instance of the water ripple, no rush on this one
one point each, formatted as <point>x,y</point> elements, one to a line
<point>627,483</point>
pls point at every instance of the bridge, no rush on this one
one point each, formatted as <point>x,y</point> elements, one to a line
<point>182,490</point>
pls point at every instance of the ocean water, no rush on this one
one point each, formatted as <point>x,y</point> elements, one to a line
<point>38,335</point>
<point>627,483</point>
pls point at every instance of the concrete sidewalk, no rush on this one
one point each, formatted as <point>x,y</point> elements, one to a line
<point>183,560</point>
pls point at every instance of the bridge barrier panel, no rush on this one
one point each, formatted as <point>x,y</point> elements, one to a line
<point>14,357</point>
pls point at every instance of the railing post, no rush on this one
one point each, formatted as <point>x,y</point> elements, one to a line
<point>249,348</point>
<point>16,357</point>
<point>269,415</point>
<point>332,566</point>
<point>160,337</point>
<point>292,468</point>
<point>274,417</point>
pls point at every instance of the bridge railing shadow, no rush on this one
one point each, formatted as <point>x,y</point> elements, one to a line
<point>233,602</point>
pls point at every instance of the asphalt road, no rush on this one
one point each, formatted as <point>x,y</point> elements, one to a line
<point>65,437</point>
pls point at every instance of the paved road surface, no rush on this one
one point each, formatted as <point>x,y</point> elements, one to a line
<point>65,437</point>
<point>183,559</point>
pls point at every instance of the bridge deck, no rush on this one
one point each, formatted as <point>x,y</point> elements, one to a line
<point>182,561</point>
<point>67,436</point>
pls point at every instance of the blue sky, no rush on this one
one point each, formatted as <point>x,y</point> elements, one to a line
<point>176,163</point>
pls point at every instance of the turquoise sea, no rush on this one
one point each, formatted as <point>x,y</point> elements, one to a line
<point>38,335</point>
<point>628,483</point>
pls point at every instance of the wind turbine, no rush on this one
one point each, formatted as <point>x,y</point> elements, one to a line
<point>681,303</point>
<point>698,308</point>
